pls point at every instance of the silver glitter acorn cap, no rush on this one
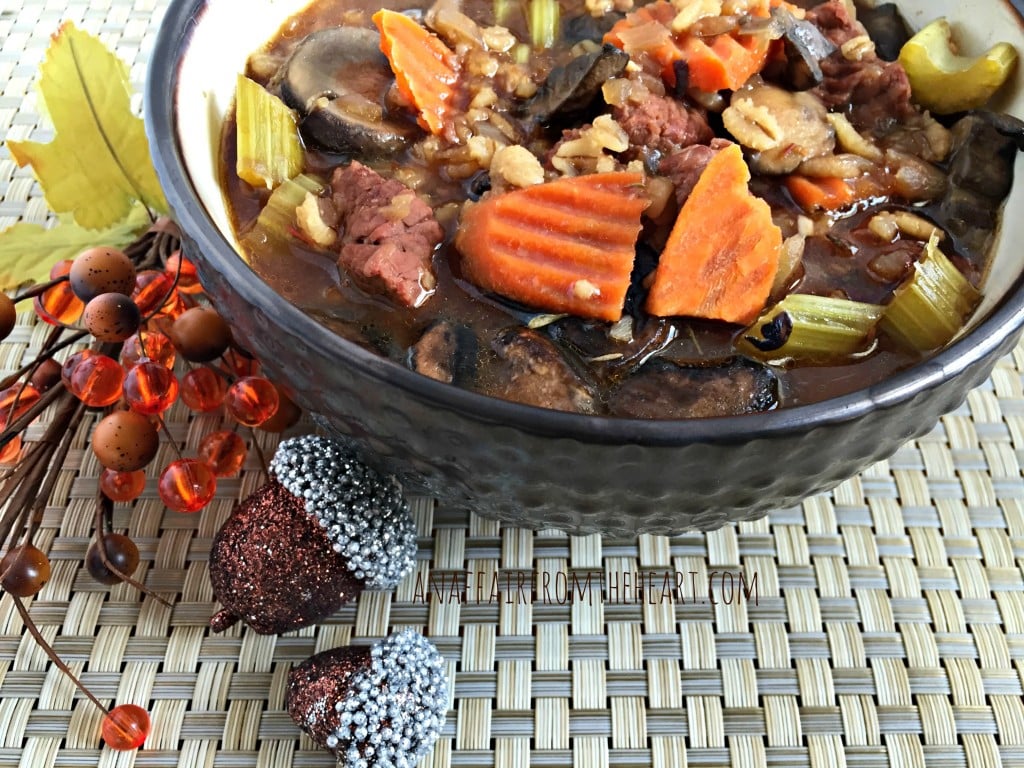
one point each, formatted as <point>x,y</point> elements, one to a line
<point>396,707</point>
<point>364,513</point>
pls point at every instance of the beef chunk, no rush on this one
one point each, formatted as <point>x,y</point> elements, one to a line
<point>683,168</point>
<point>445,352</point>
<point>661,125</point>
<point>389,234</point>
<point>877,92</point>
<point>535,372</point>
<point>664,390</point>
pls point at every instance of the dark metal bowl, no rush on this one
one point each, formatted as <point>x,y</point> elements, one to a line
<point>537,467</point>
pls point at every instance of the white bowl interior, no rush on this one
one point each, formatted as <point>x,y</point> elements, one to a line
<point>225,34</point>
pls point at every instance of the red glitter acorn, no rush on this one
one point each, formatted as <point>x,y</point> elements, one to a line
<point>379,706</point>
<point>324,528</point>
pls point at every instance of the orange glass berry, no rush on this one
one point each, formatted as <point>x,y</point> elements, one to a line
<point>224,451</point>
<point>24,570</point>
<point>173,308</point>
<point>10,452</point>
<point>122,486</point>
<point>252,400</point>
<point>15,400</point>
<point>61,268</point>
<point>58,305</point>
<point>188,277</point>
<point>203,390</point>
<point>97,381</point>
<point>150,388</point>
<point>71,363</point>
<point>242,364</point>
<point>153,289</point>
<point>187,485</point>
<point>148,344</point>
<point>126,727</point>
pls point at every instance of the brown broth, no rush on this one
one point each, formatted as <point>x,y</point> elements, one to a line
<point>310,279</point>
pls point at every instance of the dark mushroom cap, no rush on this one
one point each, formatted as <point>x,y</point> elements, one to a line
<point>337,79</point>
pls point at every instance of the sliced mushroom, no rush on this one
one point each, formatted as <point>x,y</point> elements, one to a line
<point>337,79</point>
<point>446,352</point>
<point>805,47</point>
<point>782,128</point>
<point>886,28</point>
<point>664,390</point>
<point>980,176</point>
<point>570,90</point>
<point>534,371</point>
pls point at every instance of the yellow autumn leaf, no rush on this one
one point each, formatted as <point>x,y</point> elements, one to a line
<point>98,163</point>
<point>27,251</point>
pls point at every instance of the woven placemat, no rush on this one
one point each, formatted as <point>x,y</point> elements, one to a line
<point>879,625</point>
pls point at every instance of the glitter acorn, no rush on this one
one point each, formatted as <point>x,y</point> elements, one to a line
<point>376,707</point>
<point>323,529</point>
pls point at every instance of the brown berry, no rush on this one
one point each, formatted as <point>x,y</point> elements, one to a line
<point>287,414</point>
<point>121,552</point>
<point>8,316</point>
<point>125,441</point>
<point>25,570</point>
<point>101,270</point>
<point>46,375</point>
<point>112,317</point>
<point>200,334</point>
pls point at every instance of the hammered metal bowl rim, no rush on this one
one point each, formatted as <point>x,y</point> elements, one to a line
<point>171,44</point>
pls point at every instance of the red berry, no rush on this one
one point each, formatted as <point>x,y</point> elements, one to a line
<point>252,400</point>
<point>224,451</point>
<point>97,381</point>
<point>16,400</point>
<point>153,289</point>
<point>288,414</point>
<point>58,305</point>
<point>126,727</point>
<point>150,388</point>
<point>10,452</point>
<point>150,345</point>
<point>203,390</point>
<point>122,486</point>
<point>24,570</point>
<point>188,277</point>
<point>187,485</point>
<point>61,269</point>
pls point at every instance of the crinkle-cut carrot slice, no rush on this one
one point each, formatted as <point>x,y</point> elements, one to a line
<point>563,246</point>
<point>426,69</point>
<point>722,255</point>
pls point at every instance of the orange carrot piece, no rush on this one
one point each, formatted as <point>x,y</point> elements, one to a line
<point>426,69</point>
<point>563,246</point>
<point>714,64</point>
<point>723,252</point>
<point>829,194</point>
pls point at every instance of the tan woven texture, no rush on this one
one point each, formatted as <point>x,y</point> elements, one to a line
<point>879,625</point>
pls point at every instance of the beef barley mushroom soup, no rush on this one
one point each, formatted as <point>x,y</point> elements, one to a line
<point>664,210</point>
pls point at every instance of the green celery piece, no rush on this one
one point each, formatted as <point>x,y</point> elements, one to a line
<point>822,329</point>
<point>543,22</point>
<point>277,219</point>
<point>269,148</point>
<point>931,306</point>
